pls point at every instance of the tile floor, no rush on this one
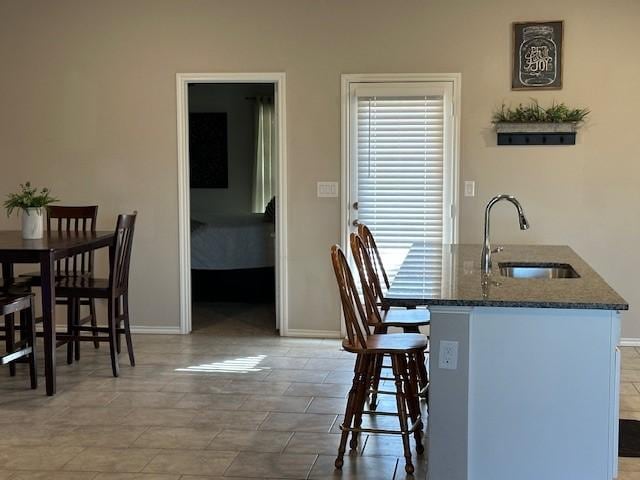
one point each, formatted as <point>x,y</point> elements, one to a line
<point>629,468</point>
<point>231,400</point>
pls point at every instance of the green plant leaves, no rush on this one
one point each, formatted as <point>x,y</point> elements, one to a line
<point>534,113</point>
<point>28,197</point>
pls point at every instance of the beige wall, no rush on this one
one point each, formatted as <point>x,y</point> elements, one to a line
<point>88,107</point>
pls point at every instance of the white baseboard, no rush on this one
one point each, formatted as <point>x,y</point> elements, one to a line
<point>155,330</point>
<point>630,342</point>
<point>303,333</point>
<point>134,329</point>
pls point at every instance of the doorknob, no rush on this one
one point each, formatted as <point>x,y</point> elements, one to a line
<point>355,205</point>
<point>355,223</point>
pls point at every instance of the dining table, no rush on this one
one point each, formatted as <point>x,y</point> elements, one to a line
<point>46,251</point>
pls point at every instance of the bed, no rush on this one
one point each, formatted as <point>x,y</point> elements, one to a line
<point>235,242</point>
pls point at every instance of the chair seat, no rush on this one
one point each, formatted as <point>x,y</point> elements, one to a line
<point>11,303</point>
<point>403,317</point>
<point>19,287</point>
<point>7,298</point>
<point>389,343</point>
<point>82,287</point>
<point>34,278</point>
<point>30,275</point>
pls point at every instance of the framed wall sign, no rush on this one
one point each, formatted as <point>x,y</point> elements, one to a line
<point>537,55</point>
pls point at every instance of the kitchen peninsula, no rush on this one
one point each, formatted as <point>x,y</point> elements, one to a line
<point>524,362</point>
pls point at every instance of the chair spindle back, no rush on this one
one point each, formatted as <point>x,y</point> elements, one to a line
<point>121,255</point>
<point>354,314</point>
<point>73,219</point>
<point>368,279</point>
<point>376,262</point>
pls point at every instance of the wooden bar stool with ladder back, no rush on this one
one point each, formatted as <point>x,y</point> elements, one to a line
<point>410,320</point>
<point>403,350</point>
<point>370,268</point>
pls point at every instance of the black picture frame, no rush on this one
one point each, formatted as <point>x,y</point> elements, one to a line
<point>208,150</point>
<point>537,55</point>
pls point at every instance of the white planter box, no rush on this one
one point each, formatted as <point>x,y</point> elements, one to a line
<point>504,127</point>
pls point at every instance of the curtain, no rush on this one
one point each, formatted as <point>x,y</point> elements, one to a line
<point>264,168</point>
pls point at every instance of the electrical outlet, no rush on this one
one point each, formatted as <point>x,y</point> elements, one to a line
<point>448,355</point>
<point>469,188</point>
<point>327,189</point>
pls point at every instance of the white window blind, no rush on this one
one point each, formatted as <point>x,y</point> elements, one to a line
<point>400,150</point>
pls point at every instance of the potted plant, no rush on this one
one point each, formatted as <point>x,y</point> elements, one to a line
<point>533,124</point>
<point>31,204</point>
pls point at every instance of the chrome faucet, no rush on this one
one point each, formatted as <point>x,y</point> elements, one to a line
<point>486,249</point>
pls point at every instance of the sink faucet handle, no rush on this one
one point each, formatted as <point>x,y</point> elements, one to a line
<point>497,249</point>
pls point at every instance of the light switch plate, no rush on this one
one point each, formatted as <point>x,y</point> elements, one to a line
<point>327,189</point>
<point>448,355</point>
<point>469,188</point>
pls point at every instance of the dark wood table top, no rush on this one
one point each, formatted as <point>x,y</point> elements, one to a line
<point>12,241</point>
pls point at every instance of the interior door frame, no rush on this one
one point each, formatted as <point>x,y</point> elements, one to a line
<point>278,79</point>
<point>345,124</point>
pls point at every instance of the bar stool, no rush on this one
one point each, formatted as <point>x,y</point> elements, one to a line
<point>379,272</point>
<point>402,348</point>
<point>370,270</point>
<point>10,304</point>
<point>380,321</point>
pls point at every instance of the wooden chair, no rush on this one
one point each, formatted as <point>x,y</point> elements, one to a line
<point>66,219</point>
<point>25,348</point>
<point>378,266</point>
<point>380,321</point>
<point>115,290</point>
<point>370,243</point>
<point>402,348</point>
<point>15,287</point>
<point>365,258</point>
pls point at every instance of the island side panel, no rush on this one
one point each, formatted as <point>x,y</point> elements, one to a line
<point>448,396</point>
<point>614,393</point>
<point>540,393</point>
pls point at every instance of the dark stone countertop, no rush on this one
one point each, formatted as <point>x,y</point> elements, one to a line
<point>450,275</point>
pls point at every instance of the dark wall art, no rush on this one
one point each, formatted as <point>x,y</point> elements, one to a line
<point>208,159</point>
<point>537,55</point>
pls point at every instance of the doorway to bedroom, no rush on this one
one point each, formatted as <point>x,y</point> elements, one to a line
<point>232,144</point>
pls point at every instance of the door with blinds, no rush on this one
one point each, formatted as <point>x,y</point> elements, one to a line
<point>401,181</point>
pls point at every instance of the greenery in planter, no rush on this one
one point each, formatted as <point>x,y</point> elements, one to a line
<point>534,113</point>
<point>29,197</point>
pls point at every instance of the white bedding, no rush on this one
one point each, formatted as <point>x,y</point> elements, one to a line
<point>231,242</point>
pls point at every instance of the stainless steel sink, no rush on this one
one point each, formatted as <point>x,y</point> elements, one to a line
<point>537,270</point>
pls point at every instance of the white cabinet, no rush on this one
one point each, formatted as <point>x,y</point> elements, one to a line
<point>534,395</point>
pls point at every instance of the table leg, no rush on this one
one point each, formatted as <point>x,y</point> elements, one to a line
<point>49,320</point>
<point>7,273</point>
<point>7,277</point>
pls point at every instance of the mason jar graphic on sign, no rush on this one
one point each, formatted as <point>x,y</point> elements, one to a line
<point>538,56</point>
